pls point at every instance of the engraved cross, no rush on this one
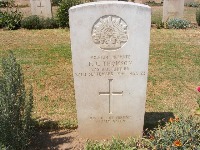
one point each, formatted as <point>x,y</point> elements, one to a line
<point>110,94</point>
<point>40,6</point>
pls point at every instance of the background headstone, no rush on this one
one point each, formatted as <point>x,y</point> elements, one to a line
<point>172,9</point>
<point>110,50</point>
<point>41,8</point>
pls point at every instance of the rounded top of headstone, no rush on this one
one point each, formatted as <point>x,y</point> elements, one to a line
<point>100,3</point>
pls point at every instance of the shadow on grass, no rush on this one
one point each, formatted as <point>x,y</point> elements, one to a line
<point>49,135</point>
<point>153,119</point>
<point>51,140</point>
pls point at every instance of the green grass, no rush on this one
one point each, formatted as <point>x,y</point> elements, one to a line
<point>45,57</point>
<point>173,70</point>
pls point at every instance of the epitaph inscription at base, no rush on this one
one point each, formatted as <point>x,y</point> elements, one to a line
<point>110,49</point>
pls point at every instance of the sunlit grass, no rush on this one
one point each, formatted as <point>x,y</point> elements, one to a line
<point>45,57</point>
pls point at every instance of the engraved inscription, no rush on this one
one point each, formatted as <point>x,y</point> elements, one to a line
<point>110,119</point>
<point>110,65</point>
<point>109,93</point>
<point>110,32</point>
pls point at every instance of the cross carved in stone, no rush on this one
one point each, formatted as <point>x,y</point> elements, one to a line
<point>110,94</point>
<point>40,6</point>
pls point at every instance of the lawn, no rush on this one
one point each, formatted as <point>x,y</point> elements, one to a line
<point>45,57</point>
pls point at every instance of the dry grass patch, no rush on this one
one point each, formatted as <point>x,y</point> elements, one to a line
<point>45,57</point>
<point>33,39</point>
<point>173,70</point>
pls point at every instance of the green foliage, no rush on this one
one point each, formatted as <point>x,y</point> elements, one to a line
<point>1,19</point>
<point>49,23</point>
<point>55,2</point>
<point>35,22</point>
<point>178,24</point>
<point>10,19</point>
<point>183,133</point>
<point>117,144</point>
<point>3,4</point>
<point>198,17</point>
<point>7,3</point>
<point>192,4</point>
<point>32,22</point>
<point>62,12</point>
<point>153,3</point>
<point>15,106</point>
<point>157,20</point>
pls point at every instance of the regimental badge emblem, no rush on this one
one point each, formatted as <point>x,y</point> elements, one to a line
<point>110,32</point>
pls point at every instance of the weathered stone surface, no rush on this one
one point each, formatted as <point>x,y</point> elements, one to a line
<point>172,9</point>
<point>41,8</point>
<point>110,50</point>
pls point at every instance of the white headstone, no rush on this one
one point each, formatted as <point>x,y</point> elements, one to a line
<point>110,50</point>
<point>41,8</point>
<point>172,9</point>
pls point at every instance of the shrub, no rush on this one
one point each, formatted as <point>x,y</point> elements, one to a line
<point>178,24</point>
<point>183,133</point>
<point>32,22</point>
<point>11,19</point>
<point>157,20</point>
<point>7,3</point>
<point>62,12</point>
<point>55,2</point>
<point>3,4</point>
<point>36,22</point>
<point>192,4</point>
<point>15,107</point>
<point>117,144</point>
<point>1,19</point>
<point>198,17</point>
<point>49,23</point>
<point>153,3</point>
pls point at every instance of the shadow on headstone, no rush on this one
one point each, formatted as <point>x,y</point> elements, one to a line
<point>153,119</point>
